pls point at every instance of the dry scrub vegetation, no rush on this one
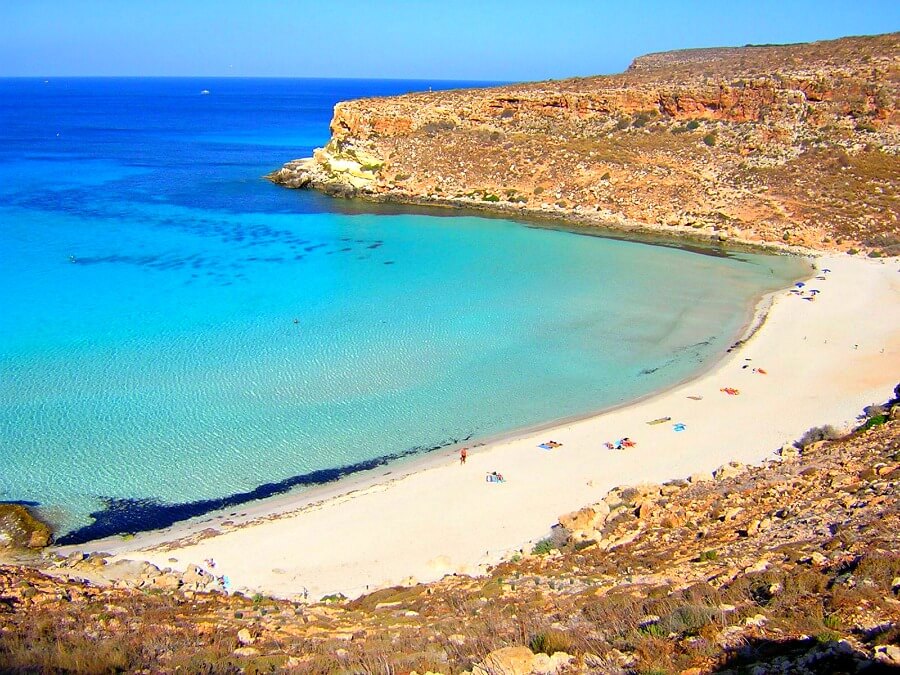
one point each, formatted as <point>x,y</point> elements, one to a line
<point>786,566</point>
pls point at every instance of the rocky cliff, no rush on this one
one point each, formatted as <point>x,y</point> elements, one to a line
<point>793,144</point>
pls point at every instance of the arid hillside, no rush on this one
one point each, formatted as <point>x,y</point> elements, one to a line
<point>794,144</point>
<point>789,567</point>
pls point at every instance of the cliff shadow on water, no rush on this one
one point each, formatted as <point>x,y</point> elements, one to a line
<point>128,516</point>
<point>699,244</point>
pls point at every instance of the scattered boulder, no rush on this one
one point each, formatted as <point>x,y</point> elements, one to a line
<point>645,509</point>
<point>508,660</point>
<point>167,581</point>
<point>729,470</point>
<point>542,664</point>
<point>21,529</point>
<point>888,654</point>
<point>788,451</point>
<point>245,637</point>
<point>586,520</point>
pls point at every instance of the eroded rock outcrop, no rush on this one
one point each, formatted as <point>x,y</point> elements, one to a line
<point>20,529</point>
<point>793,144</point>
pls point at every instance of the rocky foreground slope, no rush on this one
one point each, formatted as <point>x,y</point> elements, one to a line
<point>793,144</point>
<point>790,567</point>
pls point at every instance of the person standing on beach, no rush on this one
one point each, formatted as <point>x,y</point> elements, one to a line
<point>462,455</point>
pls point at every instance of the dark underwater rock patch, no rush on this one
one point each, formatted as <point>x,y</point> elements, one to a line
<point>127,516</point>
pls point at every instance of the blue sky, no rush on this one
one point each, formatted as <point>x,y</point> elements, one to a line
<point>446,39</point>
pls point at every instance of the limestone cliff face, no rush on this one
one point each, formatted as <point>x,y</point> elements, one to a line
<point>793,144</point>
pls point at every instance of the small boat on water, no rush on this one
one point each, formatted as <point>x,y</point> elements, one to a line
<point>204,92</point>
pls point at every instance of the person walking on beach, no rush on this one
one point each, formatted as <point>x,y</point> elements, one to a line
<point>462,455</point>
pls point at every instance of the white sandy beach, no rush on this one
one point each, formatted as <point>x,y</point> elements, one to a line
<point>824,361</point>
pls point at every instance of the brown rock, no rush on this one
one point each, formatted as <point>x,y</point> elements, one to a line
<point>20,528</point>
<point>586,519</point>
<point>889,654</point>
<point>508,660</point>
<point>645,509</point>
<point>729,470</point>
<point>167,581</point>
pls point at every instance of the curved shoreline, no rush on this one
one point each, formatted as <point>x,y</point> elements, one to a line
<point>128,516</point>
<point>825,361</point>
<point>581,222</point>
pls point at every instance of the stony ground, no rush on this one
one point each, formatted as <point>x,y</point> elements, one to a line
<point>793,144</point>
<point>793,566</point>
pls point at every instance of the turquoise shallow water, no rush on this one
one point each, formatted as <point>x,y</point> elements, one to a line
<point>175,329</point>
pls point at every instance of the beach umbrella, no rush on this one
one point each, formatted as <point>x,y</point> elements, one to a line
<point>799,284</point>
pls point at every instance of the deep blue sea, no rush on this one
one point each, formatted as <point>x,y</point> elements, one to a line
<point>177,334</point>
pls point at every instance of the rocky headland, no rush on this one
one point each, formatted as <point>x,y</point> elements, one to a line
<point>794,144</point>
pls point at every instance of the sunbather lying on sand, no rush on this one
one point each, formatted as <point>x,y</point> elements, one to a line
<point>621,444</point>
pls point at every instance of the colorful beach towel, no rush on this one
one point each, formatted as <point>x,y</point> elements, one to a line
<point>550,445</point>
<point>731,391</point>
<point>660,420</point>
<point>679,426</point>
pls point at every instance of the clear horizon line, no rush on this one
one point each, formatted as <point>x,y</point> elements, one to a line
<point>266,77</point>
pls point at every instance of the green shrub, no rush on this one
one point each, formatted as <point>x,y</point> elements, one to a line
<point>832,621</point>
<point>543,547</point>
<point>653,630</point>
<point>490,198</point>
<point>640,120</point>
<point>875,421</point>
<point>876,415</point>
<point>708,555</point>
<point>828,636</point>
<point>550,642</point>
<point>437,127</point>
<point>688,619</point>
<point>710,138</point>
<point>693,124</point>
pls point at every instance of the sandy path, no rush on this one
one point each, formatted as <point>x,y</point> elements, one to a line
<point>824,359</point>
